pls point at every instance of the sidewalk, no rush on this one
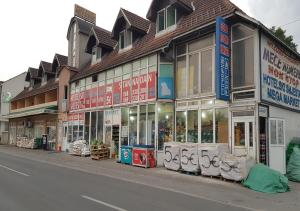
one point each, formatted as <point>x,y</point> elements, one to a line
<point>193,186</point>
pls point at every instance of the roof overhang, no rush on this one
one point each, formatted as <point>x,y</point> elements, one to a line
<point>49,110</point>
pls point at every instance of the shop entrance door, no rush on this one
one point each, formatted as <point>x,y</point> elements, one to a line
<point>277,155</point>
<point>243,136</point>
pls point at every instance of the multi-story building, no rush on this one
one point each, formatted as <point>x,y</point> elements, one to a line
<point>9,89</point>
<point>196,72</point>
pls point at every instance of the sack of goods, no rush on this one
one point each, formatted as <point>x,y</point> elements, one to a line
<point>80,148</point>
<point>235,168</point>
<point>24,142</point>
<point>293,168</point>
<point>189,157</point>
<point>172,156</point>
<point>210,157</point>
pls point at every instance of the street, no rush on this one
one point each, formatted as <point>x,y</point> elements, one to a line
<point>31,185</point>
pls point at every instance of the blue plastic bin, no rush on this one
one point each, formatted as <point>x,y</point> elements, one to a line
<point>126,155</point>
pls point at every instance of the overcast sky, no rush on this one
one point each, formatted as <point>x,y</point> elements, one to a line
<point>34,30</point>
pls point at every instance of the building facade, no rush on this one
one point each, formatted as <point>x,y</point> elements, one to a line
<point>192,72</point>
<point>9,89</point>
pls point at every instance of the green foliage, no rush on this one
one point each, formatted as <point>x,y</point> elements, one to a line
<point>281,34</point>
<point>96,142</point>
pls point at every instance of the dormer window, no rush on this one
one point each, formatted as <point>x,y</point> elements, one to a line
<point>166,18</point>
<point>125,39</point>
<point>96,54</point>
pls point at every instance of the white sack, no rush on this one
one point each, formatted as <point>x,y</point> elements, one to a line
<point>189,157</point>
<point>235,168</point>
<point>172,156</point>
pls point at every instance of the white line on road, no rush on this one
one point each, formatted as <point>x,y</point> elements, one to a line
<point>103,203</point>
<point>18,172</point>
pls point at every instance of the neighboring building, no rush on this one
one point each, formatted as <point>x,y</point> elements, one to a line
<point>9,89</point>
<point>34,111</point>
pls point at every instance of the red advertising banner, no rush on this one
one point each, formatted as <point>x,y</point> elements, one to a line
<point>94,97</point>
<point>143,87</point>
<point>101,95</point>
<point>87,98</point>
<point>82,100</point>
<point>135,89</point>
<point>151,85</point>
<point>126,94</point>
<point>74,102</point>
<point>109,95</point>
<point>81,116</point>
<point>143,157</point>
<point>117,92</point>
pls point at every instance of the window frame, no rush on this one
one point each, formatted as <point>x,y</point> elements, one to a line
<point>165,13</point>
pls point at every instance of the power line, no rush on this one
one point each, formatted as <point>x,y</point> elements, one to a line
<point>294,21</point>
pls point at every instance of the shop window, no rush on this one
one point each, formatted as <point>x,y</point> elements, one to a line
<point>151,125</point>
<point>93,126</point>
<point>165,123</point>
<point>206,71</point>
<point>181,126</point>
<point>74,132</point>
<point>181,77</point>
<point>143,125</point>
<point>100,126</point>
<point>193,82</point>
<point>277,131</point>
<point>200,44</point>
<point>239,134</point>
<point>124,126</point>
<point>242,56</point>
<point>87,127</point>
<point>133,125</point>
<point>207,134</point>
<point>192,126</point>
<point>221,125</point>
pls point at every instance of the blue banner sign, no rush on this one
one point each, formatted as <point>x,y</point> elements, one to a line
<point>166,82</point>
<point>222,59</point>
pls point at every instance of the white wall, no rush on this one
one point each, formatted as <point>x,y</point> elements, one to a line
<point>292,121</point>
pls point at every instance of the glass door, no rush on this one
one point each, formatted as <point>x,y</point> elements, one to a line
<point>243,136</point>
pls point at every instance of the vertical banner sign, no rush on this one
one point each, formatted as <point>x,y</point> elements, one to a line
<point>143,87</point>
<point>280,75</point>
<point>135,89</point>
<point>87,98</point>
<point>152,85</point>
<point>109,95</point>
<point>222,59</point>
<point>117,92</point>
<point>82,100</point>
<point>94,97</point>
<point>126,94</point>
<point>81,118</point>
<point>166,81</point>
<point>72,102</point>
<point>101,95</point>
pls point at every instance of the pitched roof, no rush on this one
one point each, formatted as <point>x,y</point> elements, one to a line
<point>205,12</point>
<point>46,66</point>
<point>62,60</point>
<point>50,85</point>
<point>104,37</point>
<point>136,21</point>
<point>83,26</point>
<point>33,72</point>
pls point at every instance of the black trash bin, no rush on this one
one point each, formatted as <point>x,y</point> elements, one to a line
<point>45,141</point>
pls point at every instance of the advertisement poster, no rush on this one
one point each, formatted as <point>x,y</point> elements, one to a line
<point>87,98</point>
<point>135,89</point>
<point>82,100</point>
<point>143,87</point>
<point>109,95</point>
<point>166,81</point>
<point>94,97</point>
<point>151,85</point>
<point>139,157</point>
<point>280,76</point>
<point>117,92</point>
<point>126,93</point>
<point>101,95</point>
<point>223,59</point>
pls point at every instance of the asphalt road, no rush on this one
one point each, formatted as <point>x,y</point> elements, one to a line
<point>27,185</point>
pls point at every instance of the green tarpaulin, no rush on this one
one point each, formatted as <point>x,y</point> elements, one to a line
<point>293,168</point>
<point>295,142</point>
<point>263,179</point>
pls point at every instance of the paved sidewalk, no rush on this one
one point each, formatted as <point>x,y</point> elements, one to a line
<point>193,186</point>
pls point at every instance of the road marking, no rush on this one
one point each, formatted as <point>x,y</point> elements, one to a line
<point>103,203</point>
<point>18,172</point>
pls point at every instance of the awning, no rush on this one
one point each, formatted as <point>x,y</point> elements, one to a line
<point>33,112</point>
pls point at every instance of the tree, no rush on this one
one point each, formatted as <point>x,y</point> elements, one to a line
<point>281,34</point>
